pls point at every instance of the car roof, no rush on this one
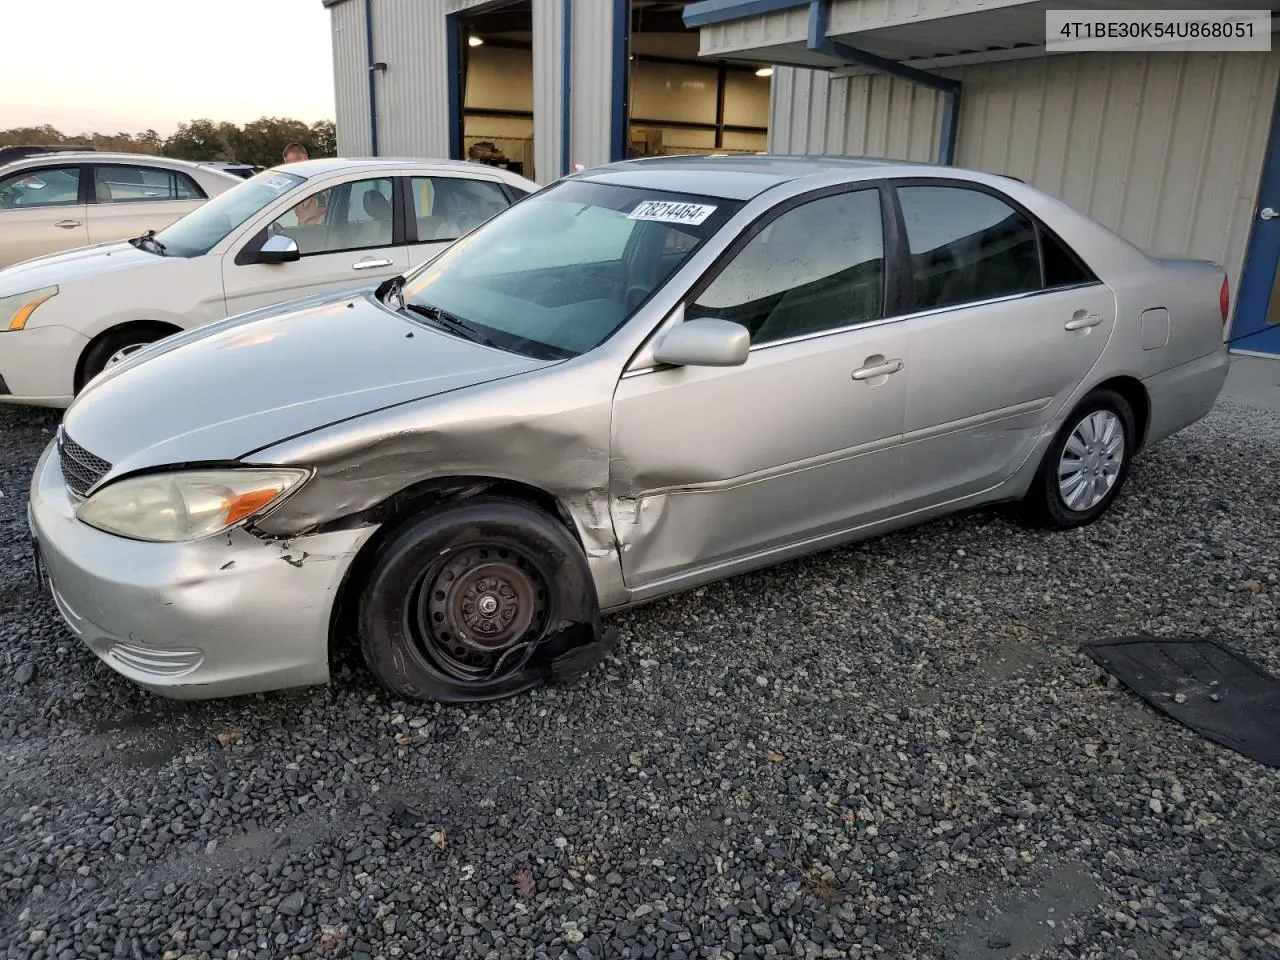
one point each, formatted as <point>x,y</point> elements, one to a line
<point>100,156</point>
<point>323,165</point>
<point>740,176</point>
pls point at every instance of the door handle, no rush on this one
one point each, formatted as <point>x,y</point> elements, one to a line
<point>68,224</point>
<point>881,369</point>
<point>1267,213</point>
<point>371,264</point>
<point>1082,320</point>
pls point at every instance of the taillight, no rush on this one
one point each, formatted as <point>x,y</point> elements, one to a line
<point>1224,300</point>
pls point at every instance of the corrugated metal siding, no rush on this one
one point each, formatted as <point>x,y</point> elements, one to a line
<point>548,79</point>
<point>592,38</point>
<point>350,79</point>
<point>1164,148</point>
<point>413,92</point>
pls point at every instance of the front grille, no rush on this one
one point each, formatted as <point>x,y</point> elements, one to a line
<point>80,468</point>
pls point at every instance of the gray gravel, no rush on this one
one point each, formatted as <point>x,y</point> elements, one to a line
<point>892,750</point>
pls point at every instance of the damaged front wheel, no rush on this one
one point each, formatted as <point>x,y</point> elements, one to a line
<point>476,601</point>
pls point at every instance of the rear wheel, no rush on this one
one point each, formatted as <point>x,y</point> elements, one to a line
<point>1085,466</point>
<point>467,602</point>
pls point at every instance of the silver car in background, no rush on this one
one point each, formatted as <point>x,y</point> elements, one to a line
<point>642,378</point>
<point>50,202</point>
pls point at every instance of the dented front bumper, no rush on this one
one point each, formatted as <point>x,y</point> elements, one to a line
<point>229,615</point>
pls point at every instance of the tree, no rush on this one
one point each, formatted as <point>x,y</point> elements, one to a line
<point>261,142</point>
<point>324,139</point>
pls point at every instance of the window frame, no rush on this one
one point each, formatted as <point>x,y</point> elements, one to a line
<point>248,252</point>
<point>902,258</point>
<point>892,302</point>
<point>409,210</point>
<point>82,189</point>
<point>91,195</point>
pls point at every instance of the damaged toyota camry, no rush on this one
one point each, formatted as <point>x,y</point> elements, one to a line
<point>642,378</point>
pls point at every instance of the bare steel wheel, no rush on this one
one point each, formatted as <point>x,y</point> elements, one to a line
<point>476,600</point>
<point>477,606</point>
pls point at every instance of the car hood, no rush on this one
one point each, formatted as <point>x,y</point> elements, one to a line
<point>221,392</point>
<point>78,264</point>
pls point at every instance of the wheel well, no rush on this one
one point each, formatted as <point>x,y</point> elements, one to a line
<point>400,507</point>
<point>1136,395</point>
<point>157,326</point>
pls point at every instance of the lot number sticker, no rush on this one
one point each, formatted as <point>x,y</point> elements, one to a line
<point>667,211</point>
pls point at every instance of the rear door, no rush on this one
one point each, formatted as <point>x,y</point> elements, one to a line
<point>42,210</point>
<point>440,209</point>
<point>1008,323</point>
<point>126,200</point>
<point>349,233</point>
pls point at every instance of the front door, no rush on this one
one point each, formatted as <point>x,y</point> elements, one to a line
<point>1007,339</point>
<point>1256,327</point>
<point>41,212</point>
<point>712,465</point>
<point>348,234</point>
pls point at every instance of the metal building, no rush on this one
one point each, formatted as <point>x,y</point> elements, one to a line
<point>1179,152</point>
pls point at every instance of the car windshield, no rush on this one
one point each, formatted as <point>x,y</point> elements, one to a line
<point>201,230</point>
<point>556,274</point>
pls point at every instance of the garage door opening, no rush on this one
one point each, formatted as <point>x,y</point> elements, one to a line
<point>679,103</point>
<point>495,50</point>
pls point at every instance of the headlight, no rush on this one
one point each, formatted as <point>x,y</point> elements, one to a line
<point>186,505</point>
<point>16,310</point>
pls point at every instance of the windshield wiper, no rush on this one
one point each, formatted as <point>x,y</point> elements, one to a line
<point>451,323</point>
<point>149,237</point>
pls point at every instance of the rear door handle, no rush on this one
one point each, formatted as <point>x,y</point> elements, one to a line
<point>1080,320</point>
<point>68,224</point>
<point>882,369</point>
<point>371,264</point>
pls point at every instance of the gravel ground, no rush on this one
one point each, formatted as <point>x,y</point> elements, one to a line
<point>890,750</point>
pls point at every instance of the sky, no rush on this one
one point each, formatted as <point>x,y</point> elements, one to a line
<point>130,65</point>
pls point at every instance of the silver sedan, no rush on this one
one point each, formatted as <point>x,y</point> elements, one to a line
<point>642,378</point>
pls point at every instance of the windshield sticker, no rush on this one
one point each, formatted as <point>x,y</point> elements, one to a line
<point>279,182</point>
<point>667,211</point>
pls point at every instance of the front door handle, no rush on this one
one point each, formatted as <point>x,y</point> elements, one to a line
<point>881,369</point>
<point>371,264</point>
<point>68,224</point>
<point>1082,320</point>
<point>1267,213</point>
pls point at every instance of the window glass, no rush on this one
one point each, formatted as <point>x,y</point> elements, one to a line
<point>817,267</point>
<point>967,245</point>
<point>556,274</point>
<point>349,216</point>
<point>42,187</point>
<point>206,226</point>
<point>1061,269</point>
<point>124,184</point>
<point>446,208</point>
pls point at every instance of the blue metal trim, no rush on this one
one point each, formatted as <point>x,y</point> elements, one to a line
<point>373,90</point>
<point>453,63</point>
<point>621,42</point>
<point>1252,296</point>
<point>706,12</point>
<point>566,84</point>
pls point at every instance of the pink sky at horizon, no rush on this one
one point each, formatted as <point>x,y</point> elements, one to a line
<point>131,65</point>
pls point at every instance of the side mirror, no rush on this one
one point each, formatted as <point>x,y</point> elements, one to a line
<point>704,343</point>
<point>278,249</point>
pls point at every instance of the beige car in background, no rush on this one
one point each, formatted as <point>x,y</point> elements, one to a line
<point>59,201</point>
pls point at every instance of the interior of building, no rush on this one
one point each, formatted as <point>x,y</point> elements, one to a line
<point>677,103</point>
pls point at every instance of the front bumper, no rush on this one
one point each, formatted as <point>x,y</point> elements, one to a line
<point>38,365</point>
<point>224,616</point>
